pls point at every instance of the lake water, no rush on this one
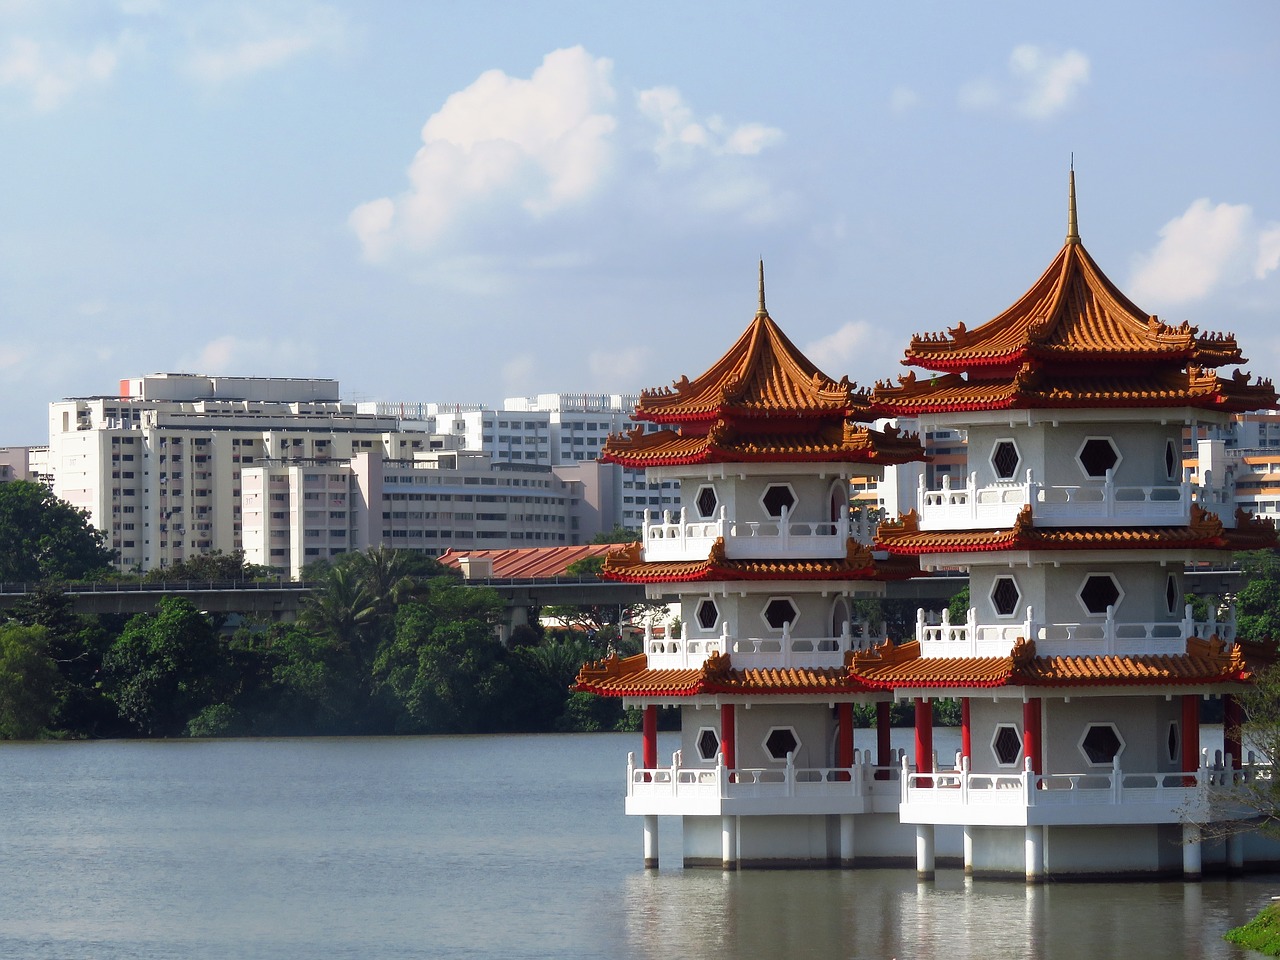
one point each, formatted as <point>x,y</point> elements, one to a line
<point>481,847</point>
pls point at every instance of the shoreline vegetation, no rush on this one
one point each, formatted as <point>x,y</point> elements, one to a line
<point>1261,934</point>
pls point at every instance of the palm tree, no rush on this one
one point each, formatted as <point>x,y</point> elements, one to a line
<point>342,610</point>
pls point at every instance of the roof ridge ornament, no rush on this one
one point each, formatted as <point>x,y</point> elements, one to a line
<point>761,312</point>
<point>1073,228</point>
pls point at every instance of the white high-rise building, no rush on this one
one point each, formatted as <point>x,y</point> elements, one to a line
<point>159,467</point>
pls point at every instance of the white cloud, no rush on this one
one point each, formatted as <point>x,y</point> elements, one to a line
<point>258,42</point>
<point>903,99</point>
<point>837,351</point>
<point>1205,248</point>
<point>1040,84</point>
<point>237,356</point>
<point>619,365</point>
<point>506,162</point>
<point>49,74</point>
<point>519,375</point>
<point>541,143</point>
<point>682,136</point>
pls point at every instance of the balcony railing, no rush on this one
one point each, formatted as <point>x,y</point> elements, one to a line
<point>1098,796</point>
<point>677,537</point>
<point>778,652</point>
<point>1101,503</point>
<point>1107,636</point>
<point>678,789</point>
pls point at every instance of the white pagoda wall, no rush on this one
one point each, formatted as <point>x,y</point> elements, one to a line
<point>741,496</point>
<point>1142,722</point>
<point>1050,451</point>
<point>1054,591</point>
<point>745,615</point>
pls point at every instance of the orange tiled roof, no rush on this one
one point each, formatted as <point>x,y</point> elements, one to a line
<point>529,563</point>
<point>1074,313</point>
<point>1211,661</point>
<point>903,537</point>
<point>627,565</point>
<point>631,677</point>
<point>1029,386</point>
<point>838,441</point>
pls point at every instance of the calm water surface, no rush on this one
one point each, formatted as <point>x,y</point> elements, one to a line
<point>480,847</point>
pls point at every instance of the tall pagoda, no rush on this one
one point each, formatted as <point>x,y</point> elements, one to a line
<point>1079,666</point>
<point>764,560</point>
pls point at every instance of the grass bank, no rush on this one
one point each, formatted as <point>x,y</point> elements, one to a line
<point>1262,933</point>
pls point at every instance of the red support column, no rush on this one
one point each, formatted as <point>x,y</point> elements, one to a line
<point>1031,734</point>
<point>1232,721</point>
<point>1190,736</point>
<point>924,739</point>
<point>844,739</point>
<point>883,745</point>
<point>966,730</point>
<point>650,734</point>
<point>728,736</point>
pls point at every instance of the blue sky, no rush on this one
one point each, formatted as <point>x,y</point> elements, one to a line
<point>474,200</point>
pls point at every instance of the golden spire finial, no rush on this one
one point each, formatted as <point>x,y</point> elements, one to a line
<point>1073,229</point>
<point>762,312</point>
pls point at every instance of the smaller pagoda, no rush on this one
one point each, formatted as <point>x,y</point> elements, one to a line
<point>765,561</point>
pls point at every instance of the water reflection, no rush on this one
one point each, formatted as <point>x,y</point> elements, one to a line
<point>708,915</point>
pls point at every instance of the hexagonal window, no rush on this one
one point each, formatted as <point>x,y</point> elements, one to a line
<point>1098,455</point>
<point>781,741</point>
<point>1171,593</point>
<point>708,743</point>
<point>1100,591</point>
<point>780,611</point>
<point>708,614</point>
<point>706,502</point>
<point>1171,460</point>
<point>1173,742</point>
<point>1101,744</point>
<point>1004,457</point>
<point>1007,745</point>
<point>1005,596</point>
<point>778,497</point>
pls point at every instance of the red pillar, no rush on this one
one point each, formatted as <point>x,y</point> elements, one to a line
<point>650,734</point>
<point>883,745</point>
<point>728,736</point>
<point>844,738</point>
<point>924,739</point>
<point>1031,734</point>
<point>966,730</point>
<point>1190,735</point>
<point>1232,721</point>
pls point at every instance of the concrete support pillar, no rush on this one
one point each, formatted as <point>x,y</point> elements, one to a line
<point>966,731</point>
<point>884,748</point>
<point>1235,853</point>
<point>1190,737</point>
<point>924,851</point>
<point>846,839</point>
<point>968,851</point>
<point>650,842</point>
<point>1034,846</point>
<point>729,843</point>
<point>729,736</point>
<point>924,740</point>
<point>649,733</point>
<point>1191,851</point>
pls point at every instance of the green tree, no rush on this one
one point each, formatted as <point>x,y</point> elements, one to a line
<point>215,566</point>
<point>28,682</point>
<point>164,668</point>
<point>619,534</point>
<point>44,538</point>
<point>1257,610</point>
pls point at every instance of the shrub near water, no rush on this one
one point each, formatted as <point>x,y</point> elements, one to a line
<point>1261,934</point>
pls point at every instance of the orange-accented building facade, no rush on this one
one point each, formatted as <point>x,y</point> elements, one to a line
<point>764,560</point>
<point>1079,667</point>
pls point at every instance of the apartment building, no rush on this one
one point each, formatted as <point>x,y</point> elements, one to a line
<point>159,466</point>
<point>298,511</point>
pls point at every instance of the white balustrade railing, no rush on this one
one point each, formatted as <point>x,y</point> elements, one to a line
<point>1179,793</point>
<point>1100,503</point>
<point>677,781</point>
<point>677,537</point>
<point>1107,636</point>
<point>783,651</point>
